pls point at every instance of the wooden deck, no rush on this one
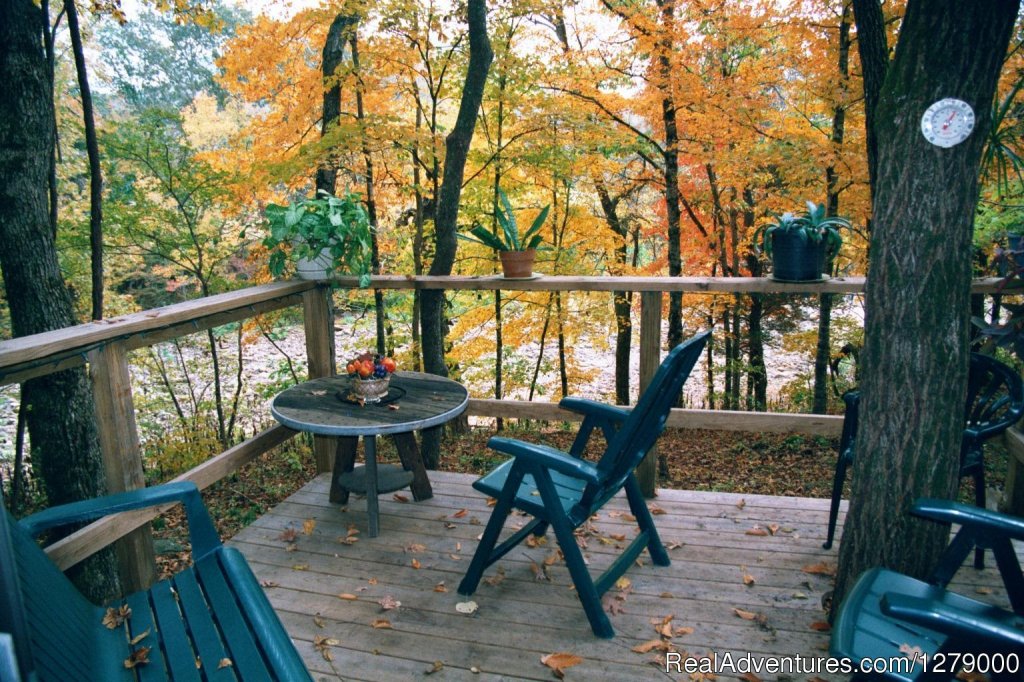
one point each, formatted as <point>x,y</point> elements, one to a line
<point>325,587</point>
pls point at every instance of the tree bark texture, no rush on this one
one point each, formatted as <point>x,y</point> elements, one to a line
<point>60,414</point>
<point>432,314</point>
<point>333,53</point>
<point>914,364</point>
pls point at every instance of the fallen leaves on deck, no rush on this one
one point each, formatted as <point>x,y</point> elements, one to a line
<point>467,607</point>
<point>323,645</point>
<point>115,617</point>
<point>139,637</point>
<point>398,497</point>
<point>559,661</point>
<point>387,602</point>
<point>381,624</point>
<point>438,666</point>
<point>138,657</point>
<point>225,663</point>
<point>307,526</point>
<point>821,568</point>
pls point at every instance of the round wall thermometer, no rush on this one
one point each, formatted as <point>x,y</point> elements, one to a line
<point>948,122</point>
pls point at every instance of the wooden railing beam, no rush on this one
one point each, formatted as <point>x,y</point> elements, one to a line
<point>318,319</point>
<point>650,358</point>
<point>122,455</point>
<point>80,338</point>
<point>88,540</point>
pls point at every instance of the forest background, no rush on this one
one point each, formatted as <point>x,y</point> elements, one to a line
<point>660,134</point>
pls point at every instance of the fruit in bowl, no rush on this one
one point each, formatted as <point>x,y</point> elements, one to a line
<point>371,374</point>
<point>370,366</point>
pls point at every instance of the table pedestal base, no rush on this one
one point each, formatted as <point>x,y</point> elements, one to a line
<point>374,479</point>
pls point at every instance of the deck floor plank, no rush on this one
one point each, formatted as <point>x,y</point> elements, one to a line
<point>424,549</point>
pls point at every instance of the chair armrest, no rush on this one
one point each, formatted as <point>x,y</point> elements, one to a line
<point>592,408</point>
<point>202,533</point>
<point>956,623</point>
<point>548,457</point>
<point>970,516</point>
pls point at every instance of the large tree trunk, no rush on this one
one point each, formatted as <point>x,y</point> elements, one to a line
<point>914,364</point>
<point>432,301</point>
<point>60,414</point>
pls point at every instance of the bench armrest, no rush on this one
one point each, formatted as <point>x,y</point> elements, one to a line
<point>986,631</point>
<point>592,408</point>
<point>547,457</point>
<point>969,516</point>
<point>202,533</point>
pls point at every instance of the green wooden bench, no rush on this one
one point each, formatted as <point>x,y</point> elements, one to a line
<point>211,621</point>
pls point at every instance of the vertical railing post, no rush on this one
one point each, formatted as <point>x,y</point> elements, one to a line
<point>650,358</point>
<point>318,320</point>
<point>122,455</point>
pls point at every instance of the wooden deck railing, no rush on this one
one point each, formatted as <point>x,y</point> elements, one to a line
<point>104,346</point>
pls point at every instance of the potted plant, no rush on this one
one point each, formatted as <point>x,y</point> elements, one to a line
<point>323,235</point>
<point>517,252</point>
<point>798,244</point>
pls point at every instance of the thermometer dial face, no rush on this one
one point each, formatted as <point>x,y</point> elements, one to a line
<point>948,122</point>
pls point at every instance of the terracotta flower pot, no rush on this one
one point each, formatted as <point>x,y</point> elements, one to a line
<point>517,264</point>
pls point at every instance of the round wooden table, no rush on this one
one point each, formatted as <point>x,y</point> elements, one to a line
<point>415,401</point>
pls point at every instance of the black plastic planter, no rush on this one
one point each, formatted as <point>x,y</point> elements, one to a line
<point>795,258</point>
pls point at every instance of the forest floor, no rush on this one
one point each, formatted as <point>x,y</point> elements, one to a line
<point>769,464</point>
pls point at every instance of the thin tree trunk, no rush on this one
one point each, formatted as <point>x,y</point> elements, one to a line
<point>417,245</point>
<point>371,202</point>
<point>873,48</point>
<point>823,352</point>
<point>93,151</point>
<point>916,302</point>
<point>44,6</point>
<point>333,53</point>
<point>60,412</point>
<point>670,155</point>
<point>456,151</point>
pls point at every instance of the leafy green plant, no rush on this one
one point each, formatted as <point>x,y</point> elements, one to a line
<point>310,226</point>
<point>812,226</point>
<point>509,239</point>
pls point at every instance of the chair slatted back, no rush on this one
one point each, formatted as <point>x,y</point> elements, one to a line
<point>57,631</point>
<point>646,421</point>
<point>995,393</point>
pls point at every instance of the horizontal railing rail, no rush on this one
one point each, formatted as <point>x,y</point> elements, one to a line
<point>104,345</point>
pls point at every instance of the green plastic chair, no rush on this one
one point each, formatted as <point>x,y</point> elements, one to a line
<point>562,491</point>
<point>995,402</point>
<point>211,611</point>
<point>888,614</point>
